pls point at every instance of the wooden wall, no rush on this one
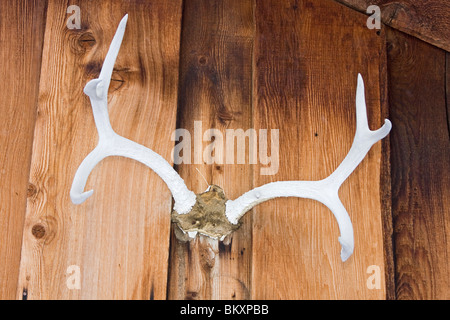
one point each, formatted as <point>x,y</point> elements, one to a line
<point>233,64</point>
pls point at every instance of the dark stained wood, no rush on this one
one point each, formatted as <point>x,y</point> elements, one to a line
<point>307,57</point>
<point>447,89</point>
<point>385,182</point>
<point>427,20</point>
<point>216,89</point>
<point>119,238</point>
<point>420,166</point>
<point>22,37</point>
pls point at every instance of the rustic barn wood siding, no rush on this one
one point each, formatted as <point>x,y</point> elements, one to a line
<point>231,64</point>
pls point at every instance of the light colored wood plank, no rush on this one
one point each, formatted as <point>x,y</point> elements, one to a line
<point>215,88</point>
<point>307,56</point>
<point>22,37</point>
<point>120,236</point>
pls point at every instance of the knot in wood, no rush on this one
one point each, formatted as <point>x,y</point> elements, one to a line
<point>38,231</point>
<point>31,190</point>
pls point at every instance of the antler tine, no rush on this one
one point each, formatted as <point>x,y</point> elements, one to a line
<point>326,190</point>
<point>112,144</point>
<point>113,52</point>
<point>97,89</point>
<point>363,141</point>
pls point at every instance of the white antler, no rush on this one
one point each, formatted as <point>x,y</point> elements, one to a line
<point>326,190</point>
<point>111,144</point>
<point>210,213</point>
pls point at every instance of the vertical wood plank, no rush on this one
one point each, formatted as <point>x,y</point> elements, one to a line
<point>447,88</point>
<point>307,56</point>
<point>385,180</point>
<point>119,238</point>
<point>22,37</point>
<point>420,164</point>
<point>215,89</point>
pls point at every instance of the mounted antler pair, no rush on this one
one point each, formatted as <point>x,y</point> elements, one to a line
<point>210,213</point>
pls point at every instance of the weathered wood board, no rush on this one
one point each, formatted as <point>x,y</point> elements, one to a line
<point>119,238</point>
<point>307,57</point>
<point>22,37</point>
<point>420,167</point>
<point>215,92</point>
<point>427,20</point>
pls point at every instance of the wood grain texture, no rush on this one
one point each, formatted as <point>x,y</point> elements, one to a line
<point>244,64</point>
<point>119,238</point>
<point>215,88</point>
<point>385,182</point>
<point>307,57</point>
<point>427,20</point>
<point>447,88</point>
<point>22,37</point>
<point>420,156</point>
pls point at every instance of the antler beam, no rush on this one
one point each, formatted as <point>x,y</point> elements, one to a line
<point>112,144</point>
<point>326,190</point>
